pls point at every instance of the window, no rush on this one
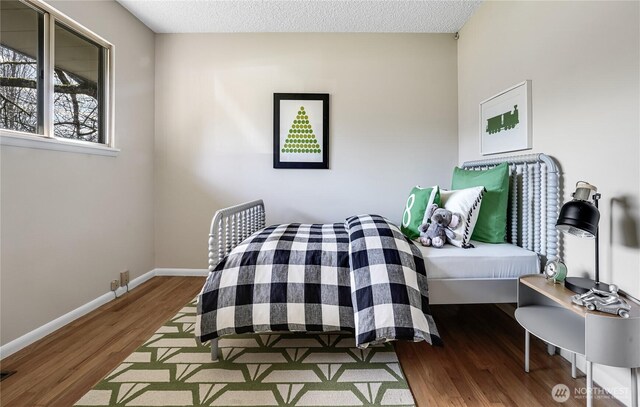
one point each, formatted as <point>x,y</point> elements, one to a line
<point>20,68</point>
<point>55,77</point>
<point>78,73</point>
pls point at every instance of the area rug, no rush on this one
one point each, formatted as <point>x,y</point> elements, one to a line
<point>173,369</point>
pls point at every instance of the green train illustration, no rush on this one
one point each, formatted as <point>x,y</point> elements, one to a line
<point>503,121</point>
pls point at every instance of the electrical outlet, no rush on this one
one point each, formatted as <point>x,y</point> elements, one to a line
<point>114,285</point>
<point>124,278</point>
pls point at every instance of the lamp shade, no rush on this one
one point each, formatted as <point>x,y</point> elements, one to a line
<point>579,218</point>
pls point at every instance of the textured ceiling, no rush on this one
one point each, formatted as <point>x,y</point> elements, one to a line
<point>190,16</point>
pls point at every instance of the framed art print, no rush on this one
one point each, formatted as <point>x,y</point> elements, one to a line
<point>301,130</point>
<point>505,120</point>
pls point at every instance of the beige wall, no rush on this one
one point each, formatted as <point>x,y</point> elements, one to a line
<point>71,222</point>
<point>393,125</point>
<point>583,60</point>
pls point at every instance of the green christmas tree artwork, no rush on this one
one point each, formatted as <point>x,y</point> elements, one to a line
<point>301,138</point>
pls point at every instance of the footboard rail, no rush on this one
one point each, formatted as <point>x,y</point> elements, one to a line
<point>230,226</point>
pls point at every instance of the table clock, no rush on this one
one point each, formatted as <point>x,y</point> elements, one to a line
<point>555,270</point>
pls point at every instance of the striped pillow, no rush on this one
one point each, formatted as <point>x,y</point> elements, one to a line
<point>466,203</point>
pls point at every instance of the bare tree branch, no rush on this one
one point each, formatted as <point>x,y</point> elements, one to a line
<point>69,89</point>
<point>31,63</point>
<point>14,104</point>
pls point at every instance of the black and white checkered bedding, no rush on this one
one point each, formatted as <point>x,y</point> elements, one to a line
<point>388,284</point>
<point>291,277</point>
<point>297,277</point>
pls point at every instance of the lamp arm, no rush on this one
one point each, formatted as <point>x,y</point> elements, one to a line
<point>596,197</point>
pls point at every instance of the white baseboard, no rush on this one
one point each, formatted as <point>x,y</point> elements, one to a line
<point>52,326</point>
<point>182,272</point>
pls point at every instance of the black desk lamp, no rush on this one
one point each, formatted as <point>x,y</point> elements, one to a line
<point>580,217</point>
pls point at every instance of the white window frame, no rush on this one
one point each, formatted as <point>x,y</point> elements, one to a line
<point>48,140</point>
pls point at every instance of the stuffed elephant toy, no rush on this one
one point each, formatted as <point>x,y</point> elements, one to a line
<point>439,227</point>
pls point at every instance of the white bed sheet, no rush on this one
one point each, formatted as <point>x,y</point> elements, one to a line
<point>485,260</point>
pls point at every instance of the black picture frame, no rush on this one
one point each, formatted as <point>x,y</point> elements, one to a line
<point>300,134</point>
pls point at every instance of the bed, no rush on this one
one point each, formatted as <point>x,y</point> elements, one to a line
<point>532,238</point>
<point>486,274</point>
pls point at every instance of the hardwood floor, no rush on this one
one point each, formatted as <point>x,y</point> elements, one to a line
<point>480,364</point>
<point>62,367</point>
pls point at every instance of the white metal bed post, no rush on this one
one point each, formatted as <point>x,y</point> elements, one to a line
<point>214,350</point>
<point>230,227</point>
<point>529,169</point>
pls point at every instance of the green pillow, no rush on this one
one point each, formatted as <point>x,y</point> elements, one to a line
<point>492,220</point>
<point>417,204</point>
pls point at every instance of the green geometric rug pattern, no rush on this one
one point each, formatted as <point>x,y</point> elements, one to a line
<point>173,369</point>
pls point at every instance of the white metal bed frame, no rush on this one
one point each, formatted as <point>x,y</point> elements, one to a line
<point>230,226</point>
<point>532,213</point>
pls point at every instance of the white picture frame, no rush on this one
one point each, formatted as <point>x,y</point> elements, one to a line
<point>505,120</point>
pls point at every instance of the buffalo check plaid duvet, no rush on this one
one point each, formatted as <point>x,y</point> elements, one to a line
<point>361,276</point>
<point>388,284</point>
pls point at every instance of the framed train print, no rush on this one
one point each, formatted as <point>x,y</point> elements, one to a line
<point>301,130</point>
<point>505,120</point>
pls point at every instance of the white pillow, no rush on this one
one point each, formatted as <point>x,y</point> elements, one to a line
<point>466,203</point>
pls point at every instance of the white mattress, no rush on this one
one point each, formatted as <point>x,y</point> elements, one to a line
<point>485,260</point>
